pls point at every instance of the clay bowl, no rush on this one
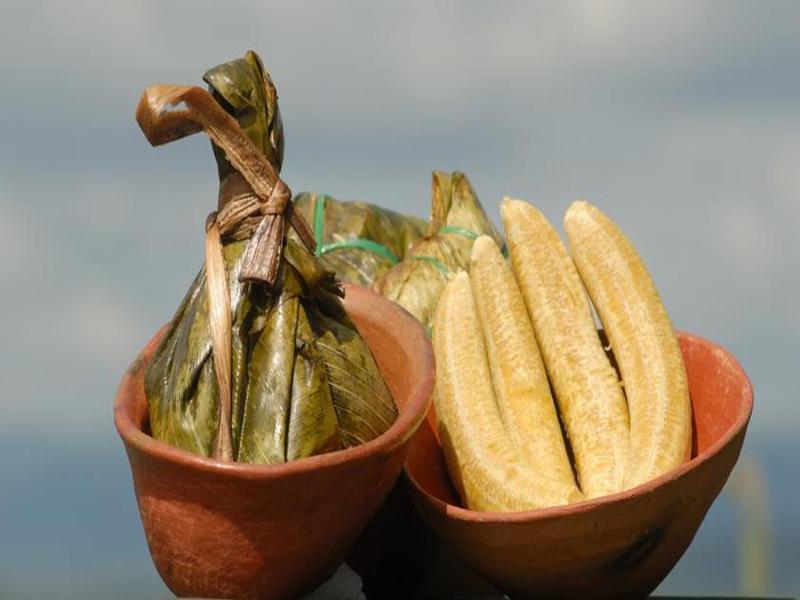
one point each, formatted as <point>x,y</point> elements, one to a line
<point>618,546</point>
<point>229,530</point>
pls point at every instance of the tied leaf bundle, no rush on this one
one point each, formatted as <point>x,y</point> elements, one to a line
<point>457,220</point>
<point>358,241</point>
<point>260,363</point>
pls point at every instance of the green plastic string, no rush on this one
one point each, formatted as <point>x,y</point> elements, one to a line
<point>467,233</point>
<point>360,243</point>
<point>435,262</point>
<point>460,231</point>
<point>319,221</point>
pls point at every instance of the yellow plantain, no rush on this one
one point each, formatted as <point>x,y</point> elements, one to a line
<point>586,386</point>
<point>487,469</point>
<point>642,339</point>
<point>518,376</point>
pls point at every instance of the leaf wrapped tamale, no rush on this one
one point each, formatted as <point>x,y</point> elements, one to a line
<point>358,241</point>
<point>302,380</point>
<point>457,220</point>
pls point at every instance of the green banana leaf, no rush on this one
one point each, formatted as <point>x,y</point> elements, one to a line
<point>303,380</point>
<point>457,219</point>
<point>358,241</point>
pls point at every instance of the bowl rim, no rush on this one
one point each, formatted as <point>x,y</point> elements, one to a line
<point>400,432</point>
<point>465,515</point>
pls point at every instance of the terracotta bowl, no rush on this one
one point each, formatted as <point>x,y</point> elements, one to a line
<point>617,546</point>
<point>229,530</point>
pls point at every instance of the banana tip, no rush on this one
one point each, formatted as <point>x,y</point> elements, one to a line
<point>461,276</point>
<point>577,210</point>
<point>510,205</point>
<point>482,245</point>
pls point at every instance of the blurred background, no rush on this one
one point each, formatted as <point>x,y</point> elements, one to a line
<point>680,119</point>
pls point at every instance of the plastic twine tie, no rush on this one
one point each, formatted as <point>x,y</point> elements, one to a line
<point>440,266</point>
<point>360,243</point>
<point>468,233</point>
<point>319,220</point>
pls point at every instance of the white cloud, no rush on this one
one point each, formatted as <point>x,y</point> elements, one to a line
<point>102,326</point>
<point>785,184</point>
<point>20,244</point>
<point>26,248</point>
<point>70,349</point>
<point>785,179</point>
<point>749,237</point>
<point>384,63</point>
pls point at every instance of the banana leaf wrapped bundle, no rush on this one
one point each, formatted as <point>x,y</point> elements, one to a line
<point>457,220</point>
<point>260,363</point>
<point>358,241</point>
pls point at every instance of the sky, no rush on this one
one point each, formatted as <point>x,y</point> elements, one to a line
<point>680,120</point>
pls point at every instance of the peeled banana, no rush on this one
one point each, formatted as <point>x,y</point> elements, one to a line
<point>586,386</point>
<point>520,383</point>
<point>642,340</point>
<point>488,470</point>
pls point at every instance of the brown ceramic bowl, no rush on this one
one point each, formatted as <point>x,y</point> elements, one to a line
<point>618,546</point>
<point>229,530</point>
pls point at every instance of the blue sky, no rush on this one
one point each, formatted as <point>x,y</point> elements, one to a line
<point>680,119</point>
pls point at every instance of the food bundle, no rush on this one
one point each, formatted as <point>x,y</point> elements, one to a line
<point>519,359</point>
<point>457,219</point>
<point>261,363</point>
<point>358,241</point>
